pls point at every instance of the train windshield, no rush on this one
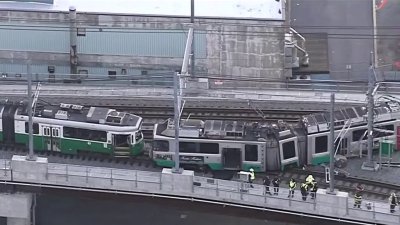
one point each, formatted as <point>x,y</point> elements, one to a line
<point>121,140</point>
<point>138,136</point>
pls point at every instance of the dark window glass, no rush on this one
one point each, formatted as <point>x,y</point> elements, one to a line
<point>289,150</point>
<point>321,144</point>
<point>382,133</point>
<point>85,134</point>
<point>35,127</point>
<point>138,136</point>
<point>161,146</point>
<point>209,148</point>
<point>251,153</point>
<point>188,147</point>
<point>359,134</point>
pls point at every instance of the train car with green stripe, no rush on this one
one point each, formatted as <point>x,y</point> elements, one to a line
<point>226,145</point>
<point>73,129</point>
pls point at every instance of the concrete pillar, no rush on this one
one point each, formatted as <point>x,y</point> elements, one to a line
<point>177,182</point>
<point>16,207</point>
<point>73,43</point>
<point>17,221</point>
<point>335,205</point>
<point>29,171</point>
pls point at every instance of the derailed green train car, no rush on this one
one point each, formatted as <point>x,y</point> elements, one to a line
<point>71,129</point>
<point>227,145</point>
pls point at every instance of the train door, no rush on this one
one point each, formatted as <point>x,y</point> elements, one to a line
<point>341,147</point>
<point>121,143</point>
<point>232,158</point>
<point>51,138</point>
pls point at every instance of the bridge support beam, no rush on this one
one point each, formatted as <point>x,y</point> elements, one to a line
<point>16,207</point>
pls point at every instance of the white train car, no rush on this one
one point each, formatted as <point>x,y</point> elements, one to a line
<point>226,145</point>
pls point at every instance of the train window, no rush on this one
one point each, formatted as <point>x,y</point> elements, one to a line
<point>209,148</point>
<point>85,134</point>
<point>35,128</point>
<point>161,146</point>
<point>321,144</point>
<point>384,131</point>
<point>138,136</point>
<point>359,135</point>
<point>188,147</point>
<point>251,153</point>
<point>289,150</point>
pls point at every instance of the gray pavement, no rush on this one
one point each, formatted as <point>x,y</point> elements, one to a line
<point>387,175</point>
<point>344,21</point>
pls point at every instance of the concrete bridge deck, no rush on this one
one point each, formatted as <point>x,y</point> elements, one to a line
<point>186,186</point>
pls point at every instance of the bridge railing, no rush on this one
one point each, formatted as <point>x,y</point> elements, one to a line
<point>193,187</point>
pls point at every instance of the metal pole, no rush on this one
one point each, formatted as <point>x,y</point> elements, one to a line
<point>375,33</point>
<point>73,40</point>
<point>332,145</point>
<point>31,155</point>
<point>176,121</point>
<point>370,112</point>
<point>192,64</point>
<point>369,164</point>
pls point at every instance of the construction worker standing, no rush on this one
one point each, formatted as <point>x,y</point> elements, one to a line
<point>357,200</point>
<point>292,186</point>
<point>252,177</point>
<point>267,183</point>
<point>304,191</point>
<point>276,182</point>
<point>314,189</point>
<point>393,201</point>
<point>309,180</point>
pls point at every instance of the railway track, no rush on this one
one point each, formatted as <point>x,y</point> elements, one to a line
<point>373,190</point>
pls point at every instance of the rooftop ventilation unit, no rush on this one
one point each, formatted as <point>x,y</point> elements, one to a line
<point>62,115</point>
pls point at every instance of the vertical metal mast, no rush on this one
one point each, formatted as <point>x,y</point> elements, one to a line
<point>332,145</point>
<point>176,119</point>
<point>192,63</point>
<point>31,155</point>
<point>370,111</point>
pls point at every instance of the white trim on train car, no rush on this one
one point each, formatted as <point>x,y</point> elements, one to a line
<point>83,125</point>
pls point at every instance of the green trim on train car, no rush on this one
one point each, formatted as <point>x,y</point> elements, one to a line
<point>246,167</point>
<point>24,139</point>
<point>164,163</point>
<point>316,160</point>
<point>215,166</point>
<point>72,146</point>
<point>137,148</point>
<point>1,136</point>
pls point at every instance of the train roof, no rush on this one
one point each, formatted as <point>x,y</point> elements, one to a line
<point>226,130</point>
<point>355,116</point>
<point>79,113</point>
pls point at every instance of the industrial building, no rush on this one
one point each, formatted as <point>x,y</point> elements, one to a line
<point>144,42</point>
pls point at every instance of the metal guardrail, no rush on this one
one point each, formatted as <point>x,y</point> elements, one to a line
<point>77,176</point>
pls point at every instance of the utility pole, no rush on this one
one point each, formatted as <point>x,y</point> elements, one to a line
<point>332,146</point>
<point>192,64</point>
<point>73,43</point>
<point>369,164</point>
<point>31,156</point>
<point>177,104</point>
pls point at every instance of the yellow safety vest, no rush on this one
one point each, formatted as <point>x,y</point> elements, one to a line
<point>292,185</point>
<point>252,176</point>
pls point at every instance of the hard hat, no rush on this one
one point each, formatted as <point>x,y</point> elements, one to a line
<point>251,170</point>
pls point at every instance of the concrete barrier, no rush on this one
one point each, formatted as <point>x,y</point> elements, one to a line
<point>186,185</point>
<point>16,207</point>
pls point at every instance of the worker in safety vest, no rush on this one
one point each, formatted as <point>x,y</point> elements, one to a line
<point>313,190</point>
<point>393,201</point>
<point>304,191</point>
<point>252,177</point>
<point>292,186</point>
<point>309,180</point>
<point>357,200</point>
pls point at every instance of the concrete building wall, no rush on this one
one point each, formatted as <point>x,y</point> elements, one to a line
<point>226,48</point>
